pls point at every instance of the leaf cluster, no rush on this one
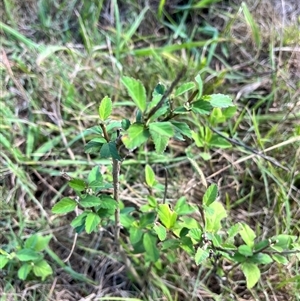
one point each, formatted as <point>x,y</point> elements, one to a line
<point>28,258</point>
<point>156,228</point>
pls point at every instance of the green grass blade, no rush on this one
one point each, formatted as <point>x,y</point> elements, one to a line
<point>251,23</point>
<point>161,8</point>
<point>174,47</point>
<point>127,36</point>
<point>18,36</point>
<point>84,34</point>
<point>68,269</point>
<point>118,30</point>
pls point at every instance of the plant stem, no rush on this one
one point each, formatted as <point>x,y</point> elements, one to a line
<point>105,134</point>
<point>118,242</point>
<point>116,175</point>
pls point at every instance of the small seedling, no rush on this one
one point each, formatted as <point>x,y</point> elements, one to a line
<point>158,227</point>
<point>27,258</point>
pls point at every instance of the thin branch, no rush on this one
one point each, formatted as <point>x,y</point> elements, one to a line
<point>105,134</point>
<point>116,184</point>
<point>167,93</point>
<point>252,150</point>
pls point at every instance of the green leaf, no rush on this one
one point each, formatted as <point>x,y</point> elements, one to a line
<point>201,255</point>
<point>210,195</point>
<point>113,125</point>
<point>262,245</point>
<point>183,232</point>
<point>94,145</point>
<point>160,142</point>
<point>247,234</point>
<point>97,185</point>
<point>136,135</point>
<point>139,117</point>
<point>104,151</point>
<point>135,235</point>
<point>152,201</point>
<point>216,116</point>
<point>182,208</point>
<point>91,222</point>
<point>201,107</point>
<point>77,184</point>
<point>80,228</point>
<point>245,250</point>
<point>282,242</point>
<point>159,89</point>
<point>149,243</point>
<point>109,150</point>
<point>105,108</point>
<point>149,176</point>
<point>196,234</point>
<point>216,239</point>
<point>3,261</point>
<point>95,175</point>
<point>170,244</point>
<point>251,272</point>
<point>113,151</point>
<point>220,101</point>
<point>167,216</point>
<point>90,201</point>
<point>229,112</point>
<point>43,242</point>
<point>278,258</point>
<point>37,242</point>
<point>28,255</point>
<point>160,133</point>
<point>125,124</point>
<point>200,85</point>
<point>42,269</point>
<point>136,91</point>
<point>205,156</point>
<point>189,222</point>
<point>108,202</point>
<point>105,213</point>
<point>64,205</point>
<point>183,128</point>
<point>213,216</point>
<point>160,231</point>
<point>199,140</point>
<point>187,245</point>
<point>184,88</point>
<point>156,96</point>
<point>94,130</point>
<point>126,220</point>
<point>181,110</point>
<point>147,219</point>
<point>261,258</point>
<point>161,128</point>
<point>220,142</point>
<point>233,230</point>
<point>79,220</point>
<point>24,270</point>
<point>238,257</point>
